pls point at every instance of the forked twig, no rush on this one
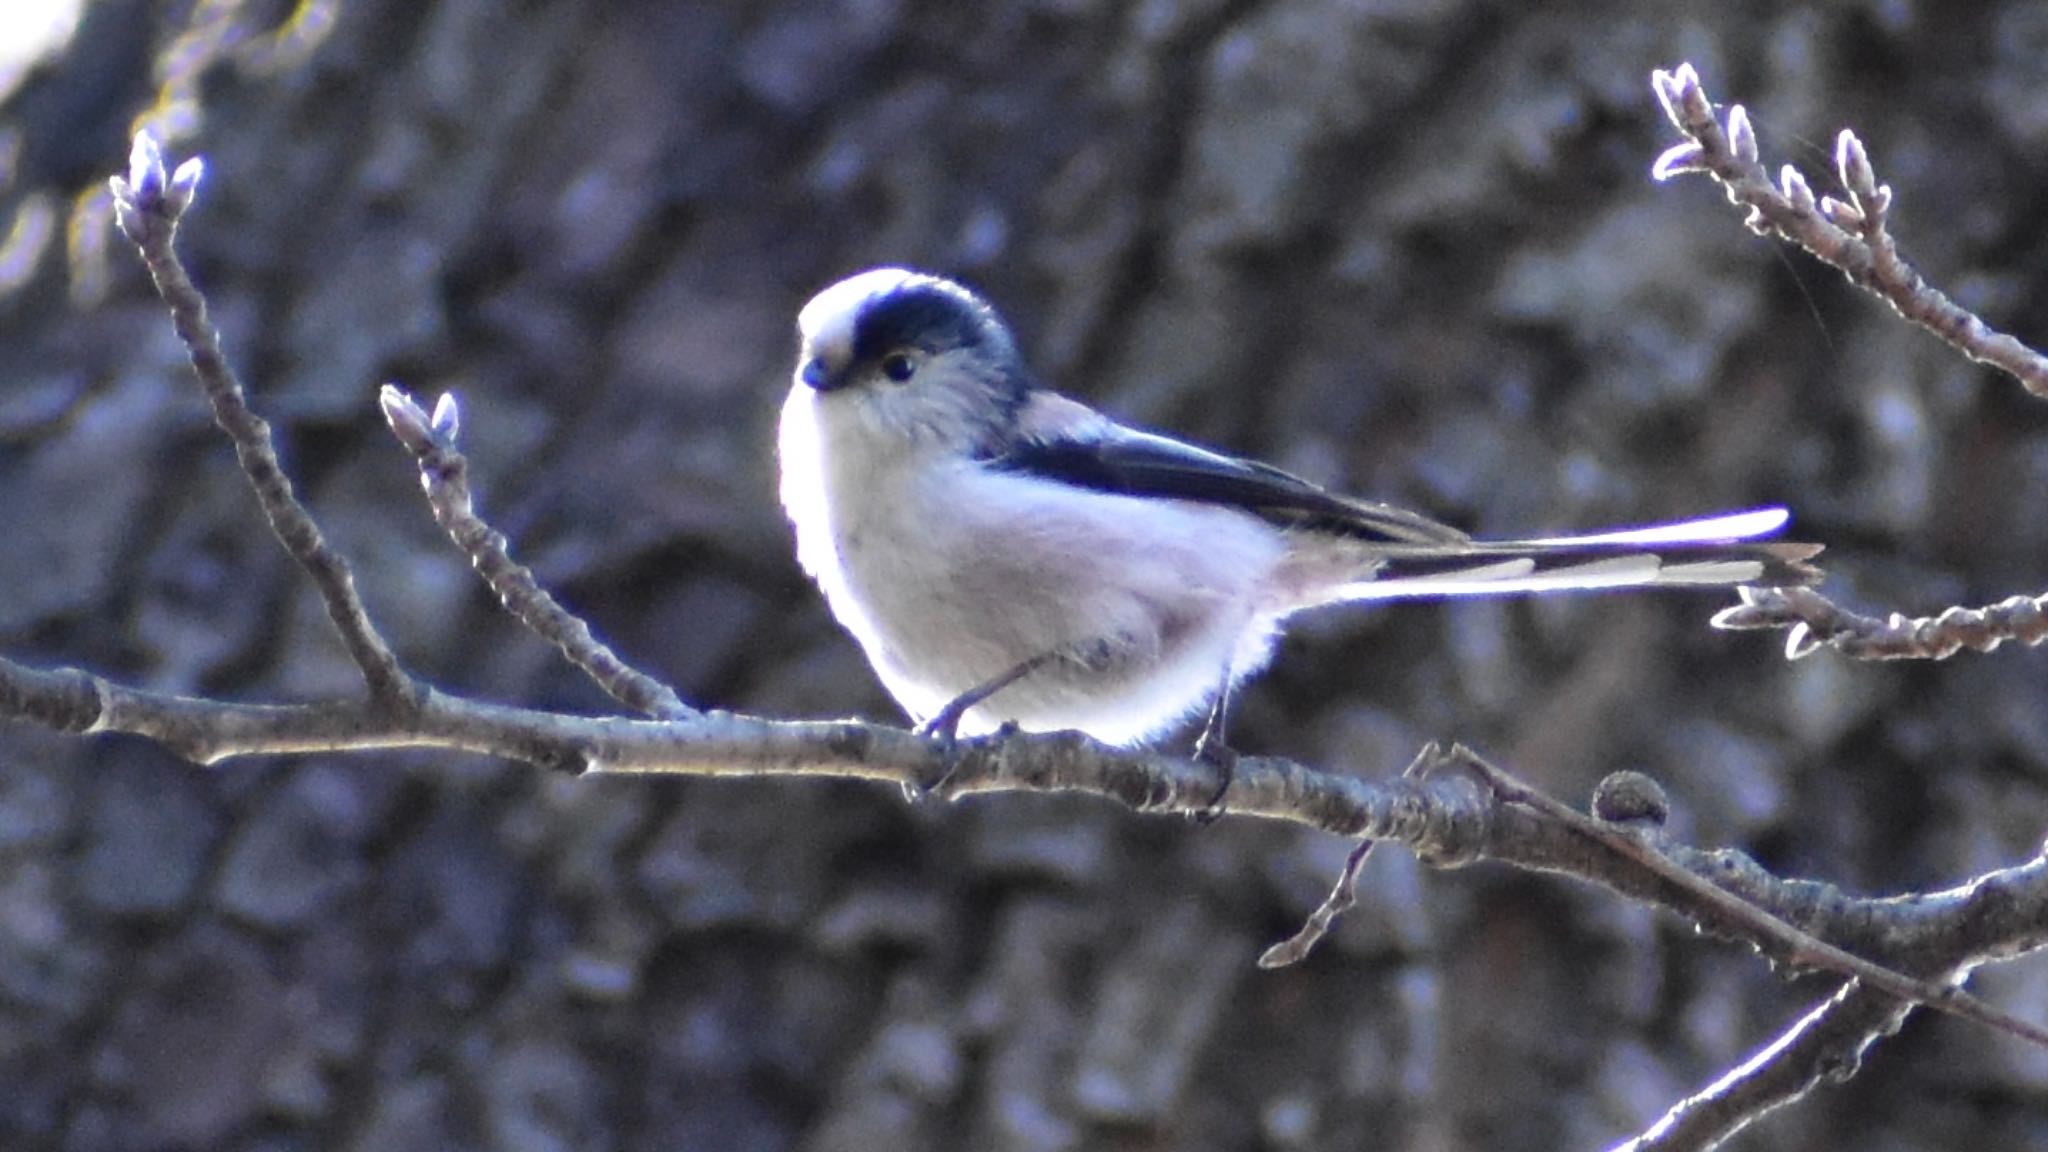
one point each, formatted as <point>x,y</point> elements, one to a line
<point>148,206</point>
<point>1795,946</point>
<point>444,473</point>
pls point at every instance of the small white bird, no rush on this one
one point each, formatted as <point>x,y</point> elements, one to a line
<point>1007,555</point>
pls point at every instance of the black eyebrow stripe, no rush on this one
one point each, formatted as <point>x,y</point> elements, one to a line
<point>926,315</point>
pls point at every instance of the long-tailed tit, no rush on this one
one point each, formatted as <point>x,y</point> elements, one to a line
<point>1006,554</point>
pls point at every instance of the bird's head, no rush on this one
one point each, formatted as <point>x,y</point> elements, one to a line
<point>896,353</point>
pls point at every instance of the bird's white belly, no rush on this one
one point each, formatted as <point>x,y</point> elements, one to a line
<point>951,576</point>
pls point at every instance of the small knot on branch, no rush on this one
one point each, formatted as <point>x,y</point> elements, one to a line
<point>1631,798</point>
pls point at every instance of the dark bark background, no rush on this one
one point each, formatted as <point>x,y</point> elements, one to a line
<point>1406,247</point>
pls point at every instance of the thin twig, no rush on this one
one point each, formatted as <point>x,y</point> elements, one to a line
<point>148,206</point>
<point>444,473</point>
<point>1817,622</point>
<point>1825,1044</point>
<point>1851,235</point>
<point>1343,894</point>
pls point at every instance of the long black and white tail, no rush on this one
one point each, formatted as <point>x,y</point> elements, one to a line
<point>1718,550</point>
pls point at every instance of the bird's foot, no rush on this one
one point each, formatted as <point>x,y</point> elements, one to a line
<point>1210,749</point>
<point>943,728</point>
<point>944,725</point>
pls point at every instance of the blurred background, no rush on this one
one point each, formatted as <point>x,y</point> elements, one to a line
<point>1409,248</point>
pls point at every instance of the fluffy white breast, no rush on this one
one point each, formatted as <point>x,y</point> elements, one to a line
<point>826,483</point>
<point>805,499</point>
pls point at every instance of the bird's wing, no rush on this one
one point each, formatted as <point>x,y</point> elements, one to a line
<point>1067,442</point>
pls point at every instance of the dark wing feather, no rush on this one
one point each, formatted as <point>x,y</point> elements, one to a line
<point>1138,464</point>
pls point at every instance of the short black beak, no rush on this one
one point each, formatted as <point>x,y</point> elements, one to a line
<point>817,375</point>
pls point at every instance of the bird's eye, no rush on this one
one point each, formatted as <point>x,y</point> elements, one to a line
<point>898,366</point>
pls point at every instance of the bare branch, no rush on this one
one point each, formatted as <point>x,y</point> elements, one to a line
<point>148,207</point>
<point>1826,1044</point>
<point>1344,893</point>
<point>1442,820</point>
<point>1817,622</point>
<point>1780,937</point>
<point>1342,898</point>
<point>444,473</point>
<point>1982,920</point>
<point>1851,235</point>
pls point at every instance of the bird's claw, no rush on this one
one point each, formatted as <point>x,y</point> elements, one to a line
<point>943,728</point>
<point>1210,749</point>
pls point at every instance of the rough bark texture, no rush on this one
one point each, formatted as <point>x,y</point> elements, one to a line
<point>1409,248</point>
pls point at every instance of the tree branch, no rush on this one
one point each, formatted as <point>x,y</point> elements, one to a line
<point>1825,1044</point>
<point>1851,236</point>
<point>1817,622</point>
<point>444,473</point>
<point>148,207</point>
<point>1427,811</point>
<point>1854,237</point>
